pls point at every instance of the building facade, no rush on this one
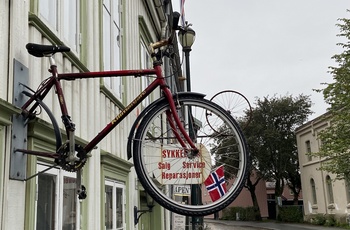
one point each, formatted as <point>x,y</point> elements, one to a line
<point>322,194</point>
<point>102,35</point>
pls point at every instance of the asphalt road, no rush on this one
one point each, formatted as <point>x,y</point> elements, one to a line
<point>266,225</point>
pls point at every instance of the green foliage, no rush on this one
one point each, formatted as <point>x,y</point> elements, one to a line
<point>325,220</point>
<point>318,219</point>
<point>335,138</point>
<point>330,221</point>
<point>291,214</point>
<point>245,214</point>
<point>271,138</point>
<point>226,150</point>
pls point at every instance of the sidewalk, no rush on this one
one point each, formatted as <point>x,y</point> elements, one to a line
<point>264,225</point>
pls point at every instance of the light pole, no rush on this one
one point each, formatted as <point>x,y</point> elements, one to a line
<point>186,38</point>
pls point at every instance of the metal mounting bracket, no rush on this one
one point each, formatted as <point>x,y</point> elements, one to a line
<point>18,160</point>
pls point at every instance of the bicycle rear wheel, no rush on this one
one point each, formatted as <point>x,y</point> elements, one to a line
<point>185,183</point>
<point>236,104</point>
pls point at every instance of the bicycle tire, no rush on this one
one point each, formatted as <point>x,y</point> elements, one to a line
<point>225,146</point>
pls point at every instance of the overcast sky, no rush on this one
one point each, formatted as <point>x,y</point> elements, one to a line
<point>264,47</point>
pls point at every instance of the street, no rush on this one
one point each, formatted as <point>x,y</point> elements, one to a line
<point>219,226</point>
<point>264,225</point>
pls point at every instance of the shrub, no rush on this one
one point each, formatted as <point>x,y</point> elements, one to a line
<point>291,214</point>
<point>330,221</point>
<point>244,214</point>
<point>318,219</point>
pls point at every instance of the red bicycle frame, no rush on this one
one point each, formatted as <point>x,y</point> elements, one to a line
<point>55,79</point>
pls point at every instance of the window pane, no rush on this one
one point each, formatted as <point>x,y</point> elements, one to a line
<point>308,150</point>
<point>145,64</point>
<point>48,10</point>
<point>69,203</point>
<point>116,86</point>
<point>70,21</point>
<point>313,190</point>
<point>119,194</point>
<point>107,4</point>
<point>46,205</point>
<point>116,12</point>
<point>106,39</point>
<point>330,189</point>
<point>111,44</point>
<point>116,48</point>
<point>347,187</point>
<point>109,207</point>
<point>116,62</point>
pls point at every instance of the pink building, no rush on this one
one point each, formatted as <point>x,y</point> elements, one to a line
<point>244,199</point>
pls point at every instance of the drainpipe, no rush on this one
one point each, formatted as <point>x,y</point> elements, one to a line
<point>162,16</point>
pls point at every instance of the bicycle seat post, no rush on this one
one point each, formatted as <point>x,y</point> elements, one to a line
<point>52,60</point>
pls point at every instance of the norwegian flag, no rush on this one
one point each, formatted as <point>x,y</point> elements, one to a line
<point>182,12</point>
<point>215,183</point>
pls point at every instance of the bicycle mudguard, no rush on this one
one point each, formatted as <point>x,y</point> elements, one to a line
<point>150,107</point>
<point>54,122</point>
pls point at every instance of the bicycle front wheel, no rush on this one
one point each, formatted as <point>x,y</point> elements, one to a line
<point>186,183</point>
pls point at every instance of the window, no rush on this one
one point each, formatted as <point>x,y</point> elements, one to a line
<point>70,20</point>
<point>46,203</point>
<point>111,43</point>
<point>48,11</point>
<point>308,150</point>
<point>313,191</point>
<point>329,187</point>
<point>63,18</point>
<point>145,64</point>
<point>347,187</point>
<point>56,204</point>
<point>115,205</point>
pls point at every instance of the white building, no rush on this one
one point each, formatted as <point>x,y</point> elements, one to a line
<point>322,194</point>
<point>108,34</point>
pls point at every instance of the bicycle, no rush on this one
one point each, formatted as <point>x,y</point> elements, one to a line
<point>174,149</point>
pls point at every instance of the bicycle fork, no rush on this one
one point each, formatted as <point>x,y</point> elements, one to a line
<point>174,121</point>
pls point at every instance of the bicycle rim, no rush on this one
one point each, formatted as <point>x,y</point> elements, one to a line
<point>235,103</point>
<point>182,182</point>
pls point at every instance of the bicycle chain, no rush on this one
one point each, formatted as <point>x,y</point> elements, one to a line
<point>71,166</point>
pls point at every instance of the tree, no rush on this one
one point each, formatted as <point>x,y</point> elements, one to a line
<point>251,184</point>
<point>271,139</point>
<point>294,181</point>
<point>335,138</point>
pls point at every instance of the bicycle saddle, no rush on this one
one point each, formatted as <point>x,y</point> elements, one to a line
<point>39,50</point>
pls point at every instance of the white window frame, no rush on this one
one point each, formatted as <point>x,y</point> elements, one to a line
<point>112,44</point>
<point>59,174</point>
<point>313,191</point>
<point>347,190</point>
<point>61,20</point>
<point>116,184</point>
<point>308,149</point>
<point>329,187</point>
